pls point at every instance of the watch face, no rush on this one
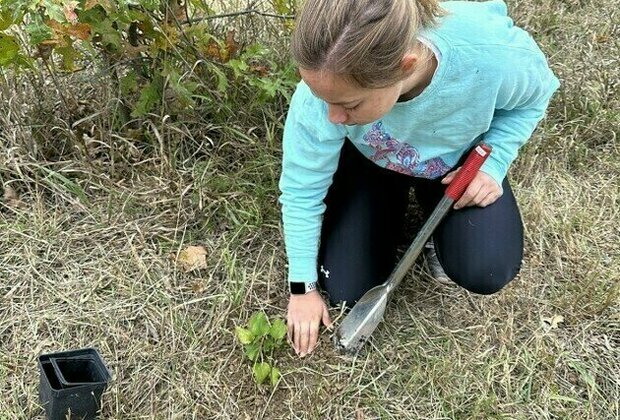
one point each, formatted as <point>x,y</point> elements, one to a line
<point>299,288</point>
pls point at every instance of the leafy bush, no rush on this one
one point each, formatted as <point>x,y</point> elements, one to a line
<point>164,57</point>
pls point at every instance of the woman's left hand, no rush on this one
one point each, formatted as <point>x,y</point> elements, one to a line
<point>482,191</point>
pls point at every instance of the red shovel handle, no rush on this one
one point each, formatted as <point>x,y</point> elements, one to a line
<point>468,171</point>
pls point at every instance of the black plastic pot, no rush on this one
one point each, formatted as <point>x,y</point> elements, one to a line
<point>71,383</point>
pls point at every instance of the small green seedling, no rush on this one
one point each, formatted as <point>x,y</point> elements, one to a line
<point>259,340</point>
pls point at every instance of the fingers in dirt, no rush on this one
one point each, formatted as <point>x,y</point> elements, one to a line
<point>314,336</point>
<point>305,338</point>
<point>297,337</point>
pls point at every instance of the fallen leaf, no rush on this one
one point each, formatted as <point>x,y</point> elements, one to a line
<point>232,46</point>
<point>199,287</point>
<point>550,323</point>
<point>10,193</point>
<point>192,258</point>
<point>601,38</point>
<point>11,198</point>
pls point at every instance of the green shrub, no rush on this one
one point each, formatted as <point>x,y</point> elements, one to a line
<point>163,57</point>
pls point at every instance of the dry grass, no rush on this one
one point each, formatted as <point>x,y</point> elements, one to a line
<point>85,261</point>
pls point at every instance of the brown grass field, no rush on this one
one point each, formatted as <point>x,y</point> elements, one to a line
<point>86,245</point>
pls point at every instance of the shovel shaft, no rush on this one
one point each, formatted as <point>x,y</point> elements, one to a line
<point>364,317</point>
<point>418,243</point>
<point>453,193</point>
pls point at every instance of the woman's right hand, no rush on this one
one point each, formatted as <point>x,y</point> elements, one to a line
<point>305,313</point>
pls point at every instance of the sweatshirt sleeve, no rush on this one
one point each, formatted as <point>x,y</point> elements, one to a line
<point>311,149</point>
<point>523,97</point>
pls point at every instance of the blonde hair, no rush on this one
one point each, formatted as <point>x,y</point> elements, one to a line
<point>362,40</point>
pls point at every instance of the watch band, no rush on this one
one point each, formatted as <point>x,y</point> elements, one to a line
<point>300,288</point>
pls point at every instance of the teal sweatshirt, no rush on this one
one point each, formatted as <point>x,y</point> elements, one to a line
<point>491,80</point>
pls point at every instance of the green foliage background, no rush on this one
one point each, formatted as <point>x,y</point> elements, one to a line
<point>169,58</point>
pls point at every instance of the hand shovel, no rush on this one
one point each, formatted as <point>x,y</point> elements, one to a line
<point>364,317</point>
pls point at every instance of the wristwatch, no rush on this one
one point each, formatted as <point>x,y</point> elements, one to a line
<point>299,288</point>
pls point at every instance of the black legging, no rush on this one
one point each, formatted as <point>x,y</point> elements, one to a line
<point>479,248</point>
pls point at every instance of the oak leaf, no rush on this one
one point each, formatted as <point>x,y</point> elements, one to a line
<point>79,30</point>
<point>192,258</point>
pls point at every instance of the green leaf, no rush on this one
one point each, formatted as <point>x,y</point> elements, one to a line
<point>283,7</point>
<point>129,83</point>
<point>261,372</point>
<point>222,81</point>
<point>182,90</point>
<point>54,11</point>
<point>6,19</point>
<point>149,98</point>
<point>238,66</point>
<point>259,325</point>
<point>138,15</point>
<point>151,5</point>
<point>69,55</point>
<point>93,16</point>
<point>244,335</point>
<point>256,50</point>
<point>252,350</point>
<point>585,373</point>
<point>268,344</point>
<point>9,49</point>
<point>24,62</point>
<point>275,376</point>
<point>56,179</point>
<point>38,31</point>
<point>201,5</point>
<point>278,329</point>
<point>110,36</point>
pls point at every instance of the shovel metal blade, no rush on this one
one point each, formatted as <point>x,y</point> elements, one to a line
<point>359,324</point>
